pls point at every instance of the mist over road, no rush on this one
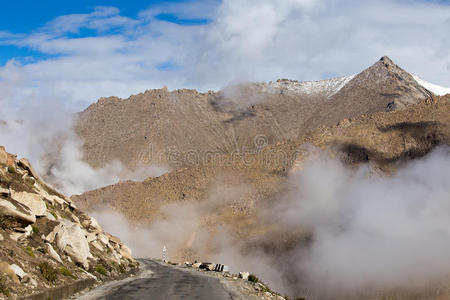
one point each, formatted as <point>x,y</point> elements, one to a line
<point>159,281</point>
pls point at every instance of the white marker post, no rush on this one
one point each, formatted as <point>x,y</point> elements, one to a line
<point>164,254</point>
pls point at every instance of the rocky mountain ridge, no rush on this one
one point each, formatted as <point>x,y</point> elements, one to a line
<point>384,140</point>
<point>46,242</point>
<point>174,128</point>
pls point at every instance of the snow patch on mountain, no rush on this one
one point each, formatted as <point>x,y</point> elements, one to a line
<point>434,88</point>
<point>327,87</point>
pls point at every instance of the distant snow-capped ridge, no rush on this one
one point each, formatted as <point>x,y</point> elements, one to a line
<point>327,87</point>
<point>434,88</point>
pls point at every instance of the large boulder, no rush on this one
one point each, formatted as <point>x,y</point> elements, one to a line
<point>103,238</point>
<point>92,224</point>
<point>97,246</point>
<point>71,239</point>
<point>24,163</point>
<point>125,252</point>
<point>17,212</point>
<point>114,239</point>
<point>33,201</point>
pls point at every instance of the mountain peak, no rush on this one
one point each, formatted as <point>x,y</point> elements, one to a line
<point>386,60</point>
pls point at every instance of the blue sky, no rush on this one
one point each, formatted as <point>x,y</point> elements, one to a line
<point>27,15</point>
<point>15,19</point>
<point>78,51</point>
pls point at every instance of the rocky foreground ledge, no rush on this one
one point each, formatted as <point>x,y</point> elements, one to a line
<point>48,247</point>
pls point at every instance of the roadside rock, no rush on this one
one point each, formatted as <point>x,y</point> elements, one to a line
<point>23,215</point>
<point>24,163</point>
<point>244,275</point>
<point>103,238</point>
<point>114,239</point>
<point>71,239</point>
<point>53,253</point>
<point>125,252</point>
<point>91,236</point>
<point>92,224</point>
<point>33,201</point>
<point>97,246</point>
<point>18,271</point>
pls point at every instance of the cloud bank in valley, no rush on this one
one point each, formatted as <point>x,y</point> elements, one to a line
<point>370,232</point>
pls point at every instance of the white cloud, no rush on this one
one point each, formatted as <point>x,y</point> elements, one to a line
<point>246,39</point>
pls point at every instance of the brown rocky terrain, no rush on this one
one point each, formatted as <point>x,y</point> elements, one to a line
<point>46,243</point>
<point>235,152</point>
<point>231,191</point>
<point>180,127</point>
<point>384,140</point>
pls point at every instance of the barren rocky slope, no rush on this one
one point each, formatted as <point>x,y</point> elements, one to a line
<point>45,241</point>
<point>179,128</point>
<point>384,140</point>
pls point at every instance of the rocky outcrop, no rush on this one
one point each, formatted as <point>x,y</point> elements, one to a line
<point>12,211</point>
<point>71,239</point>
<point>33,201</point>
<point>46,242</point>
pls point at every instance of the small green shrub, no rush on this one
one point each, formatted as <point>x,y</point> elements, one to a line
<point>99,269</point>
<point>35,229</point>
<point>49,273</point>
<point>3,223</point>
<point>3,288</point>
<point>66,272</point>
<point>29,181</point>
<point>119,267</point>
<point>43,250</point>
<point>29,251</point>
<point>11,169</point>
<point>11,252</point>
<point>253,278</point>
<point>54,214</point>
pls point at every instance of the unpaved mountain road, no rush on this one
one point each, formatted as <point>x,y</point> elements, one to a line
<point>159,281</point>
